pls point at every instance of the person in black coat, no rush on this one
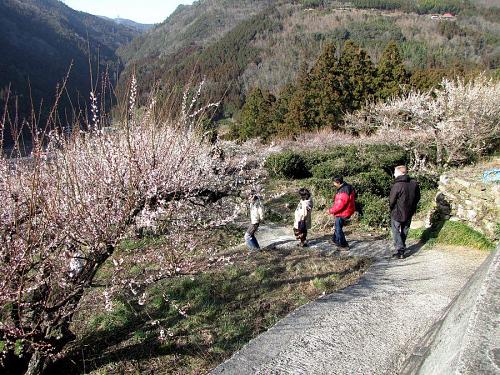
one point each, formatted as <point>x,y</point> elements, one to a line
<point>403,200</point>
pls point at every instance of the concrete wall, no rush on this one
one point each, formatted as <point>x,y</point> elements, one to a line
<point>467,339</point>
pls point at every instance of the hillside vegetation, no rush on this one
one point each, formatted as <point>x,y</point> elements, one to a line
<point>40,40</point>
<point>239,45</point>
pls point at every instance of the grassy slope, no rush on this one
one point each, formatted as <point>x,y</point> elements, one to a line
<point>453,233</point>
<point>207,315</point>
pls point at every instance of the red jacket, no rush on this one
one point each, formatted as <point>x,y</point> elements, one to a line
<point>343,205</point>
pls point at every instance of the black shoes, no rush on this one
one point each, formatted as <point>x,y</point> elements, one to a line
<point>339,245</point>
<point>398,255</point>
<point>342,247</point>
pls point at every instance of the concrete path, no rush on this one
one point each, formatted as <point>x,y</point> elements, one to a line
<point>369,328</point>
<point>276,236</point>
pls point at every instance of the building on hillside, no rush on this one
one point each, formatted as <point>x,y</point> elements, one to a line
<point>445,16</point>
<point>448,16</point>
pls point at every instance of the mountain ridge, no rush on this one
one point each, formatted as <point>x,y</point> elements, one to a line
<point>40,40</point>
<point>141,27</point>
<point>292,35</point>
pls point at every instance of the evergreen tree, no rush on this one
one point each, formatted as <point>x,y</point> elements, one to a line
<point>255,118</point>
<point>329,92</point>
<point>281,107</point>
<point>357,72</point>
<point>391,73</point>
<point>301,110</point>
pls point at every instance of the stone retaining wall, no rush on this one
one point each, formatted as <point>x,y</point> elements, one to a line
<point>464,196</point>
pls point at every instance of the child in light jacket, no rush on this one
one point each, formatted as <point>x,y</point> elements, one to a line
<point>256,216</point>
<point>302,221</point>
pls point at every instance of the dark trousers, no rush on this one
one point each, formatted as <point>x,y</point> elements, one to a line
<point>250,239</point>
<point>300,234</point>
<point>338,236</point>
<point>252,243</point>
<point>399,233</point>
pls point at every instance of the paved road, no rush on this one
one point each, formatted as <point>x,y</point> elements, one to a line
<point>368,328</point>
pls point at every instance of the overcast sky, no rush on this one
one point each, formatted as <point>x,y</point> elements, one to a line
<point>142,11</point>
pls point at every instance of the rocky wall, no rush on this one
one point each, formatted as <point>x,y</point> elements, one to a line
<point>464,196</point>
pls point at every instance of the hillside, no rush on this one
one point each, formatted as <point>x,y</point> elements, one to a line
<point>238,45</point>
<point>192,25</point>
<point>140,27</point>
<point>38,42</point>
<point>210,36</point>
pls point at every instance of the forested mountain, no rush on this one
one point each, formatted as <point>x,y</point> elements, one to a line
<point>41,39</point>
<point>211,37</point>
<point>141,27</point>
<point>240,45</point>
<point>192,25</point>
<point>237,46</point>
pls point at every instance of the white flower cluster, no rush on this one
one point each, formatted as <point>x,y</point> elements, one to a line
<point>86,195</point>
<point>461,119</point>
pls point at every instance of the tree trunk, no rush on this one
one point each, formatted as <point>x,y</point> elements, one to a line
<point>37,364</point>
<point>439,149</point>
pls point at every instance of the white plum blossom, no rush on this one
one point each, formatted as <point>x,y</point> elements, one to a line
<point>87,195</point>
<point>460,119</point>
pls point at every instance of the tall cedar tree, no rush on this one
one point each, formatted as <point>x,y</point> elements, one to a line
<point>322,95</point>
<point>391,73</point>
<point>281,109</point>
<point>329,90</point>
<point>357,71</point>
<point>256,116</point>
<point>301,114</point>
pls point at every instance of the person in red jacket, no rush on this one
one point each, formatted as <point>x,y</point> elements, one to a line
<point>343,207</point>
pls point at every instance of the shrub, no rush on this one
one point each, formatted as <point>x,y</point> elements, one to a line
<point>286,165</point>
<point>374,210</point>
<point>426,182</point>
<point>427,201</point>
<point>312,158</point>
<point>313,3</point>
<point>385,157</point>
<point>330,169</point>
<point>344,160</point>
<point>274,216</point>
<point>322,187</point>
<point>375,182</point>
<point>343,152</point>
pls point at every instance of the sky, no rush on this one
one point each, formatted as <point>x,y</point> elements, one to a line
<point>142,11</point>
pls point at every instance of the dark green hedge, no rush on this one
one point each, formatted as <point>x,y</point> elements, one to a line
<point>286,165</point>
<point>343,160</point>
<point>374,210</point>
<point>375,181</point>
<point>369,169</point>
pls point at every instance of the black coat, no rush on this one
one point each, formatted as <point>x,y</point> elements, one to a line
<point>405,194</point>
